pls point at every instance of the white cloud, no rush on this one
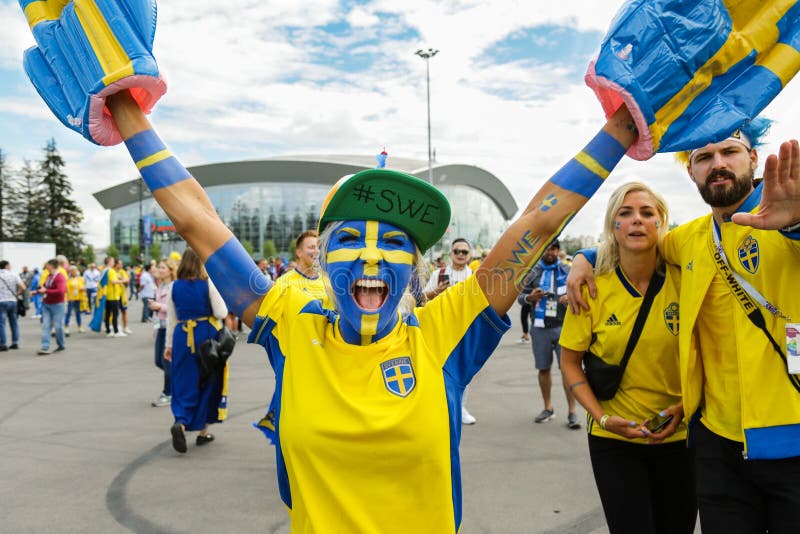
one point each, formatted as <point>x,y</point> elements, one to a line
<point>246,81</point>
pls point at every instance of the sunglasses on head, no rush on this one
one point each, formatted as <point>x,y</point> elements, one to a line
<point>460,251</point>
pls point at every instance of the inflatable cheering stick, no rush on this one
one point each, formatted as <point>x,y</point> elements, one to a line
<point>693,72</point>
<point>88,50</point>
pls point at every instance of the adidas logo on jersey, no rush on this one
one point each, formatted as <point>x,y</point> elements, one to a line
<point>613,321</point>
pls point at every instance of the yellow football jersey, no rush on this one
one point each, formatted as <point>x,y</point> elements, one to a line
<point>652,377</point>
<point>367,436</point>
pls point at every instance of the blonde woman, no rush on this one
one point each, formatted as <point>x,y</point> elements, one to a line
<point>76,295</point>
<point>166,273</point>
<point>642,467</point>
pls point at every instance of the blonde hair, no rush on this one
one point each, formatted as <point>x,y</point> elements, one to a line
<point>419,273</point>
<point>608,252</point>
<point>172,267</point>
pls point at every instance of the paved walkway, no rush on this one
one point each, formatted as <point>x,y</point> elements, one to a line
<point>83,450</point>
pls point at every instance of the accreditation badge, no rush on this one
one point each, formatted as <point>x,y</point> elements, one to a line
<point>551,308</point>
<point>792,349</point>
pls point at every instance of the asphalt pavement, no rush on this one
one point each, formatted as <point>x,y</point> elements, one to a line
<point>84,451</point>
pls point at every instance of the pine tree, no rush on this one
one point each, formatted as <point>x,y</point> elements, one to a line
<point>11,203</point>
<point>63,215</point>
<point>5,178</point>
<point>32,205</point>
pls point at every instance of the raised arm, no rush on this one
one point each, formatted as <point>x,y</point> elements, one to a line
<point>502,273</point>
<point>187,205</point>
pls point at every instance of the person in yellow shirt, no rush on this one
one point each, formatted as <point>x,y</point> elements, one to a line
<point>76,295</point>
<point>114,289</point>
<point>123,281</point>
<point>644,477</point>
<point>306,276</point>
<point>739,332</point>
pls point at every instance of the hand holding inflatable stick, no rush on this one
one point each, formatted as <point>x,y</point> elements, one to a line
<point>718,64</point>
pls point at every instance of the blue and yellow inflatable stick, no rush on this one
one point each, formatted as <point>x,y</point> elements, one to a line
<point>87,50</point>
<point>693,72</point>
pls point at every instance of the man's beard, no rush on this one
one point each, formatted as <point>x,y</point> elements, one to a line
<point>718,197</point>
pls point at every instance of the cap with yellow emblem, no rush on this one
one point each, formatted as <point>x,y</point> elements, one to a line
<point>389,196</point>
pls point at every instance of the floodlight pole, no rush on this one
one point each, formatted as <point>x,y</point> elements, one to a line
<point>427,55</point>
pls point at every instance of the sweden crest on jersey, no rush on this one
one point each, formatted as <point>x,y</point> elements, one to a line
<point>748,254</point>
<point>398,375</point>
<point>672,318</point>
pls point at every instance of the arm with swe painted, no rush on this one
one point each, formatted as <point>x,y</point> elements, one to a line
<point>187,205</point>
<point>502,273</point>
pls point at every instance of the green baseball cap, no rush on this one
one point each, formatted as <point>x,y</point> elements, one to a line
<point>390,196</point>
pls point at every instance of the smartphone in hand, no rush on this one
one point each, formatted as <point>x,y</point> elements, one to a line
<point>659,423</point>
<point>444,279</point>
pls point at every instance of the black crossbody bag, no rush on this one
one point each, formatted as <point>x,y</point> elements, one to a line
<point>605,378</point>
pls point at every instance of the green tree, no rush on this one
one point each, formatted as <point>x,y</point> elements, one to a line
<point>269,249</point>
<point>134,253</point>
<point>32,205</point>
<point>88,255</point>
<point>248,246</point>
<point>112,251</point>
<point>9,215</point>
<point>155,251</point>
<point>63,214</point>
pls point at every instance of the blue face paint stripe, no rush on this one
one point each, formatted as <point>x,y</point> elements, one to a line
<point>605,150</point>
<point>162,173</point>
<point>237,278</point>
<point>575,177</point>
<point>144,144</point>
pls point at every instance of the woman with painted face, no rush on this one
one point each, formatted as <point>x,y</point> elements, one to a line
<point>637,436</point>
<point>367,413</point>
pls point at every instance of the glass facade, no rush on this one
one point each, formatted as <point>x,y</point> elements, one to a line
<point>279,212</point>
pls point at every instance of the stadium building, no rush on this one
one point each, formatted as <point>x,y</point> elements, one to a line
<point>278,198</point>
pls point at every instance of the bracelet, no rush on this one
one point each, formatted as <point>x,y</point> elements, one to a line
<point>791,228</point>
<point>603,421</point>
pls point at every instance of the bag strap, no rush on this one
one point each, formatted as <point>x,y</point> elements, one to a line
<point>8,286</point>
<point>656,282</point>
<point>743,297</point>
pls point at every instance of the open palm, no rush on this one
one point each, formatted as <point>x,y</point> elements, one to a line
<point>780,198</point>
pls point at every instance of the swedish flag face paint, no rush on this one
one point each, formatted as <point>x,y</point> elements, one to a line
<point>369,265</point>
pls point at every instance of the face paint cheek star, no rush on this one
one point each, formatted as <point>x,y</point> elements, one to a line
<point>617,225</point>
<point>658,224</point>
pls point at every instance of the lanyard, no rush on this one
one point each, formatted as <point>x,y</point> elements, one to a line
<point>745,286</point>
<point>740,289</point>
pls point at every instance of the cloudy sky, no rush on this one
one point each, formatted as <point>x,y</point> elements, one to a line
<point>256,78</point>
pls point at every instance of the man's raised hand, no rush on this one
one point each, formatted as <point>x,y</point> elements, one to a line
<point>780,198</point>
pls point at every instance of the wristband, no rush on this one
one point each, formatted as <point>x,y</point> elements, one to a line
<point>791,228</point>
<point>603,421</point>
<point>236,276</point>
<point>586,172</point>
<point>158,166</point>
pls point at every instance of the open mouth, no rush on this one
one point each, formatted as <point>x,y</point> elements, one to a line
<point>369,293</point>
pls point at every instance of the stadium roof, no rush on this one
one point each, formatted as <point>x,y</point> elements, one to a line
<point>321,170</point>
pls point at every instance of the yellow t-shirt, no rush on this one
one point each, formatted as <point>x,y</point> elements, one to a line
<point>312,286</point>
<point>113,290</point>
<point>368,435</point>
<point>75,286</point>
<point>122,290</point>
<point>651,381</point>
